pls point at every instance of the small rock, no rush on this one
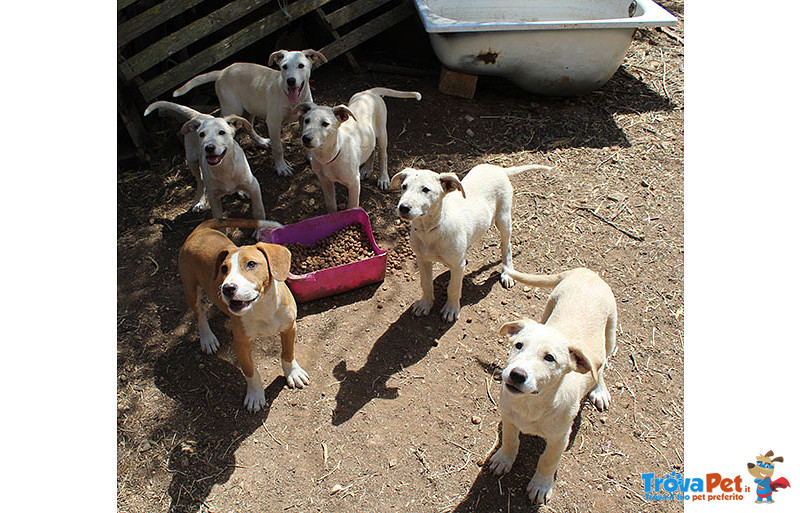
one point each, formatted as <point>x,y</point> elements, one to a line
<point>145,446</point>
<point>526,289</point>
<point>469,118</point>
<point>476,419</point>
<point>336,489</point>
<point>470,132</point>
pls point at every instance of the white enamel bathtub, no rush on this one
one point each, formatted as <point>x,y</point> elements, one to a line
<point>553,47</point>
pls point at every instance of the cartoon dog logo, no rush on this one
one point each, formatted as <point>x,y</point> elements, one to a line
<point>762,470</point>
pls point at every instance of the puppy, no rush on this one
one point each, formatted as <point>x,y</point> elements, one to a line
<point>248,285</point>
<point>215,159</point>
<point>249,90</point>
<point>552,366</point>
<point>444,225</point>
<point>343,139</point>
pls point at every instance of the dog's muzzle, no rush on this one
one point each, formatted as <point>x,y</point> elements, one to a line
<point>214,160</point>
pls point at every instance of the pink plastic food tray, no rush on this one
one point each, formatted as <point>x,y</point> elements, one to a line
<point>333,280</point>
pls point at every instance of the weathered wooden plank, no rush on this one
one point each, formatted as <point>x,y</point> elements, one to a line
<point>227,47</point>
<point>180,39</point>
<point>121,4</point>
<point>366,31</point>
<point>323,20</point>
<point>352,11</point>
<point>151,18</point>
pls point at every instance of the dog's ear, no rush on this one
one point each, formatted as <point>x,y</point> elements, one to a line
<point>581,363</point>
<point>276,57</point>
<point>279,259</point>
<point>218,265</point>
<point>238,122</point>
<point>342,113</point>
<point>301,109</point>
<point>768,454</point>
<point>190,126</point>
<point>399,177</point>
<point>315,57</point>
<point>450,183</point>
<point>512,328</point>
<point>777,458</point>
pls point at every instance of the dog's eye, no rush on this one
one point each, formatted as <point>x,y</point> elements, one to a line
<point>426,190</point>
<point>518,345</point>
<point>325,123</point>
<point>222,132</point>
<point>307,121</point>
<point>224,269</point>
<point>301,66</point>
<point>285,66</point>
<point>549,358</point>
<point>251,265</point>
<point>405,186</point>
<point>201,134</point>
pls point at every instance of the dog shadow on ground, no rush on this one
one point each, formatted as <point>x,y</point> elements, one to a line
<point>209,418</point>
<point>406,341</point>
<point>508,493</point>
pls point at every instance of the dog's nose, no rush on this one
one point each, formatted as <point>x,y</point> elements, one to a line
<point>210,148</point>
<point>518,376</point>
<point>306,139</point>
<point>229,289</point>
<point>404,209</point>
<point>291,81</point>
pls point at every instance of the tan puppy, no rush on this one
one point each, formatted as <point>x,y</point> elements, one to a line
<point>342,141</point>
<point>552,366</point>
<point>248,285</point>
<point>248,89</point>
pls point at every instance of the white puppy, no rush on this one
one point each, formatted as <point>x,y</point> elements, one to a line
<point>249,90</point>
<point>551,368</point>
<point>444,226</point>
<point>216,160</point>
<point>343,139</point>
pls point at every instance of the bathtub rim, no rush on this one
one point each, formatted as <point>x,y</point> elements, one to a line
<point>653,15</point>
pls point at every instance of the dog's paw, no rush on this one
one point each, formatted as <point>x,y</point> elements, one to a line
<point>500,462</point>
<point>243,195</point>
<point>540,489</point>
<point>600,397</point>
<point>450,312</point>
<point>254,400</point>
<point>506,280</point>
<point>283,169</point>
<point>383,183</point>
<point>208,342</point>
<point>200,205</point>
<point>263,143</point>
<point>296,377</point>
<point>422,307</point>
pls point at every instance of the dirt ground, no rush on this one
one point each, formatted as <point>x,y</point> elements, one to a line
<point>402,410</point>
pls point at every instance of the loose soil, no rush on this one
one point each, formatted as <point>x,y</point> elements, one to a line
<point>401,410</point>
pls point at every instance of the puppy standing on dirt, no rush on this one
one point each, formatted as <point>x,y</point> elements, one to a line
<point>248,285</point>
<point>343,139</point>
<point>552,366</point>
<point>253,90</point>
<point>444,225</point>
<point>215,159</point>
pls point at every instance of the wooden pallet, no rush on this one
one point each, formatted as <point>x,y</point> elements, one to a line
<point>153,68</point>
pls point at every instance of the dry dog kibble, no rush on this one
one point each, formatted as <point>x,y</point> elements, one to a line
<point>345,246</point>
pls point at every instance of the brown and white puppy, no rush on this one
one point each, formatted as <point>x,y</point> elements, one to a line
<point>342,141</point>
<point>247,89</point>
<point>217,162</point>
<point>248,285</point>
<point>552,366</point>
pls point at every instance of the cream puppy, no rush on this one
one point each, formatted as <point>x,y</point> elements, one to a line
<point>215,159</point>
<point>247,89</point>
<point>342,141</point>
<point>448,216</point>
<point>552,366</point>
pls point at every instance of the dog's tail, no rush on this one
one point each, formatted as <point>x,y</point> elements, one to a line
<point>246,224</point>
<point>205,78</point>
<point>547,281</point>
<point>384,91</point>
<point>174,107</point>
<point>511,171</point>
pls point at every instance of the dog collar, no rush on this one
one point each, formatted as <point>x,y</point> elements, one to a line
<point>335,156</point>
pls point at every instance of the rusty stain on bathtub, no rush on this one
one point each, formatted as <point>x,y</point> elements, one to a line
<point>488,57</point>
